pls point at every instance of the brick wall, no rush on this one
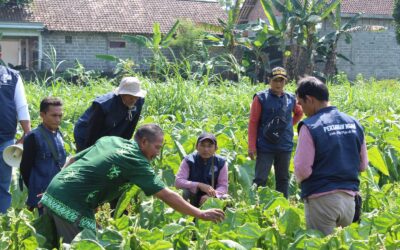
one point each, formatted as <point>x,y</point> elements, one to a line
<point>85,46</point>
<point>374,54</point>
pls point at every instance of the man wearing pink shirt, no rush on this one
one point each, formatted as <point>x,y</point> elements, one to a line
<point>331,151</point>
<point>203,174</point>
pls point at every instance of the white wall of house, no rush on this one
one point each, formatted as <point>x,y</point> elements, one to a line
<point>11,51</point>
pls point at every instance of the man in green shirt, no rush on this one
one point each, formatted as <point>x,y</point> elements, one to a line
<point>102,173</point>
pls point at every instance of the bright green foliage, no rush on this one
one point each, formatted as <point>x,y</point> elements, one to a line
<point>258,219</point>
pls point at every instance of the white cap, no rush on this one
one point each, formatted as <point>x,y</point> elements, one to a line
<point>130,86</point>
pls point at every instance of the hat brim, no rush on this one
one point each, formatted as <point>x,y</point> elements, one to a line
<point>279,76</point>
<point>142,93</point>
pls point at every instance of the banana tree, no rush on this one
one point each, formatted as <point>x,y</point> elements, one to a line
<point>327,47</point>
<point>298,26</point>
<point>155,43</point>
<point>256,50</point>
<point>227,28</point>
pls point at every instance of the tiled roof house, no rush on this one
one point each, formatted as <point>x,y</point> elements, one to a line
<point>375,54</point>
<point>82,29</point>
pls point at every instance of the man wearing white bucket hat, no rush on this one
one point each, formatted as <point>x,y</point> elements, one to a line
<point>13,108</point>
<point>113,114</point>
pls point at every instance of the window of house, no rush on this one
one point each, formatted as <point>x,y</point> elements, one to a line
<point>68,39</point>
<point>117,44</point>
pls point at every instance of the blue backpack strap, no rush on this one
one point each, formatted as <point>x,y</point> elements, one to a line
<point>50,144</point>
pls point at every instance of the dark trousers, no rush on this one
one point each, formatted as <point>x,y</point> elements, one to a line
<point>194,199</point>
<point>65,230</point>
<point>281,162</point>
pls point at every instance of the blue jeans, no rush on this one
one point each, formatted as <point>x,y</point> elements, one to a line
<point>281,161</point>
<point>5,179</point>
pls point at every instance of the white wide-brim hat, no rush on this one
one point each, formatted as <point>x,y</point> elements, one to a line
<point>130,86</point>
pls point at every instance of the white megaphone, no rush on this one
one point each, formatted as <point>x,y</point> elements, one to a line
<point>12,155</point>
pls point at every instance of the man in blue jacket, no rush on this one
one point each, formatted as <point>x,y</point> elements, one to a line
<point>113,114</point>
<point>44,154</point>
<point>331,151</point>
<point>13,108</point>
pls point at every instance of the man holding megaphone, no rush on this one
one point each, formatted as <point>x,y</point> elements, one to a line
<point>44,154</point>
<point>13,108</point>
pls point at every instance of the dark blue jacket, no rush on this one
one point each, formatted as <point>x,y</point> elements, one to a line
<point>8,110</point>
<point>272,106</point>
<point>200,171</point>
<point>45,167</point>
<point>116,120</point>
<point>338,139</point>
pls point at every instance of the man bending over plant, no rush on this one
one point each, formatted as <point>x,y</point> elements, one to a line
<point>102,173</point>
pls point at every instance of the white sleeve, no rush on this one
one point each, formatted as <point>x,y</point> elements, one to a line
<point>20,101</point>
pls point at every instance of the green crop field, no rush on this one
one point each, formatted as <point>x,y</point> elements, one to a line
<point>255,219</point>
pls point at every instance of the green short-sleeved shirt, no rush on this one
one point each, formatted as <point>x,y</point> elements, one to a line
<point>100,173</point>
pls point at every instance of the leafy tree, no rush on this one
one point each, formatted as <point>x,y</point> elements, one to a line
<point>188,38</point>
<point>396,16</point>
<point>298,26</point>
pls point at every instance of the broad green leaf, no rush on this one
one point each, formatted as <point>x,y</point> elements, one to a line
<point>279,202</point>
<point>395,144</point>
<point>289,222</point>
<point>232,244</point>
<point>140,40</point>
<point>108,57</point>
<point>122,222</point>
<point>86,245</point>
<point>156,35</point>
<point>124,200</point>
<point>171,229</point>
<point>376,159</point>
<point>180,149</point>
<point>266,195</point>
<point>150,236</point>
<point>248,234</point>
<point>109,236</point>
<point>269,12</point>
<point>385,221</point>
<point>167,39</point>
<point>162,245</point>
<point>213,203</point>
<point>29,243</point>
